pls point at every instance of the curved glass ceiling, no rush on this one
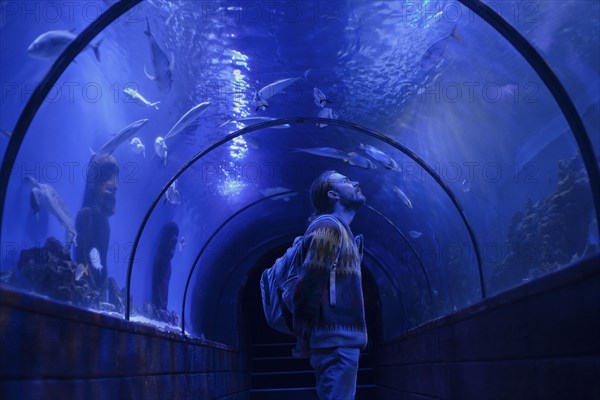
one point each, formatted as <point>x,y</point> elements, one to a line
<point>434,78</point>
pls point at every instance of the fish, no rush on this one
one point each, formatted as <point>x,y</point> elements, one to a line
<point>402,196</point>
<point>433,54</point>
<point>415,234</point>
<point>122,136</point>
<point>320,98</point>
<point>172,196</point>
<point>249,121</point>
<point>359,161</point>
<point>44,195</point>
<point>137,146</point>
<point>325,152</point>
<point>34,203</point>
<point>139,99</point>
<point>466,185</point>
<point>331,152</point>
<point>160,148</point>
<point>51,44</point>
<point>181,244</point>
<point>327,113</point>
<point>82,269</point>
<point>163,68</point>
<point>264,94</point>
<point>95,259</point>
<point>510,91</point>
<point>187,118</point>
<point>380,156</point>
<point>6,133</point>
<point>272,191</point>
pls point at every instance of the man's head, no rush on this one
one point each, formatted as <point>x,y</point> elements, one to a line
<point>332,188</point>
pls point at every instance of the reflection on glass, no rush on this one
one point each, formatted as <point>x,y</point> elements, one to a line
<point>438,80</point>
<point>550,232</point>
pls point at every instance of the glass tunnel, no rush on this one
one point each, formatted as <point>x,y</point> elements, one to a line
<point>157,156</point>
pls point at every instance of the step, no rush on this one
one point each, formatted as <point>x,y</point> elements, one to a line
<point>272,349</point>
<point>266,364</point>
<point>284,349</point>
<point>305,378</point>
<point>282,379</point>
<point>278,363</point>
<point>363,392</point>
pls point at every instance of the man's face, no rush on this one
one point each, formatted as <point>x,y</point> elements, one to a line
<point>350,195</point>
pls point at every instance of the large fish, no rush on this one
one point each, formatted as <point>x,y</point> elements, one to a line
<point>402,196</point>
<point>380,156</point>
<point>44,195</point>
<point>359,161</point>
<point>261,96</point>
<point>327,113</point>
<point>249,121</point>
<point>187,119</point>
<point>122,136</point>
<point>330,152</point>
<point>160,149</point>
<point>52,43</point>
<point>434,53</point>
<point>163,68</point>
<point>139,99</point>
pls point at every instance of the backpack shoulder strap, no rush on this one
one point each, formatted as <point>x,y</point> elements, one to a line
<point>332,271</point>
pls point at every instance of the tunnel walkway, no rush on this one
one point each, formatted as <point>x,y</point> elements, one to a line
<point>536,341</point>
<point>276,375</point>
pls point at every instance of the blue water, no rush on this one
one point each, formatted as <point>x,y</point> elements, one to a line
<point>476,114</point>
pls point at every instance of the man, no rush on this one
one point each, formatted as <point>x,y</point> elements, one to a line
<point>329,315</point>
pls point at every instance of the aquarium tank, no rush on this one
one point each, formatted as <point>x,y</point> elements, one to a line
<point>153,151</point>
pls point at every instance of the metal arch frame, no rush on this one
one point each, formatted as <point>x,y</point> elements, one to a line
<point>302,120</point>
<point>46,84</point>
<point>389,221</point>
<point>223,224</point>
<point>376,261</point>
<point>530,54</point>
<point>256,202</point>
<point>557,90</point>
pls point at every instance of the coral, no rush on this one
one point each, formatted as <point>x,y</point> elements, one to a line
<point>548,234</point>
<point>170,317</point>
<point>51,272</point>
<point>116,296</point>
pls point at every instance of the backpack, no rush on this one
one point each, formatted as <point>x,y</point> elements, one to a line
<point>278,282</point>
